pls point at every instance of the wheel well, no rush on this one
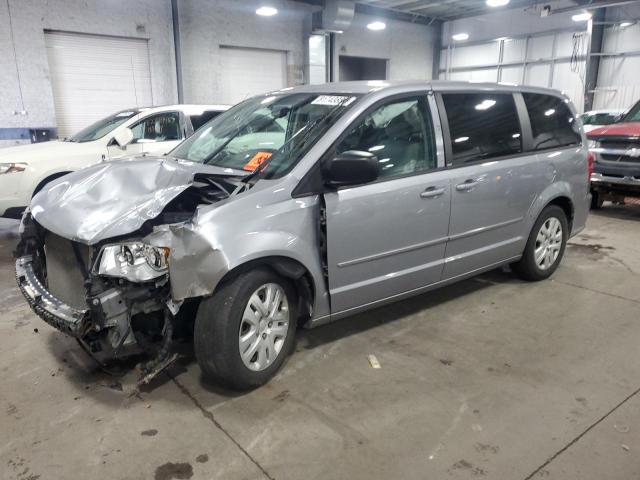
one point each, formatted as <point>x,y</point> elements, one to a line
<point>565,204</point>
<point>47,180</point>
<point>289,268</point>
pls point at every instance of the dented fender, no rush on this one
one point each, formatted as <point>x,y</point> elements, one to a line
<point>225,236</point>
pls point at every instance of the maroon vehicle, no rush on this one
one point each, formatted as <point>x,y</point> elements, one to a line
<point>615,153</point>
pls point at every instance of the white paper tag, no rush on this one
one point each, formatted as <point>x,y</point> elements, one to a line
<point>332,100</point>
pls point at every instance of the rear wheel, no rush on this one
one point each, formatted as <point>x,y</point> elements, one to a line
<point>245,331</point>
<point>545,246</point>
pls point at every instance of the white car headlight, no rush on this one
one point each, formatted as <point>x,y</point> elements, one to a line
<point>593,144</point>
<point>135,261</point>
<point>12,167</point>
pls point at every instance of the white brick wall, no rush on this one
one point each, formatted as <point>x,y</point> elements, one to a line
<point>408,46</point>
<point>114,17</point>
<point>207,24</point>
<point>204,26</point>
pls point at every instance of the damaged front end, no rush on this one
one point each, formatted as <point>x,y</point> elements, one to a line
<point>112,293</point>
<point>115,299</point>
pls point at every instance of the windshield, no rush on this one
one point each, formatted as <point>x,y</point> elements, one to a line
<point>633,115</point>
<point>102,127</point>
<point>598,118</point>
<point>277,128</point>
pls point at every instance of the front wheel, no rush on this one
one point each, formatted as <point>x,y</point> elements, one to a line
<point>545,246</point>
<point>244,332</point>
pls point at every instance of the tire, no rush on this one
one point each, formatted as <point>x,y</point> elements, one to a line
<point>527,267</point>
<point>596,201</point>
<point>220,318</point>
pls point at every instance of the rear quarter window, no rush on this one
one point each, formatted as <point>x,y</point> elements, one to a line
<point>482,126</point>
<point>552,123</point>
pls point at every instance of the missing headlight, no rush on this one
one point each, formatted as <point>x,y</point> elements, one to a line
<point>134,261</point>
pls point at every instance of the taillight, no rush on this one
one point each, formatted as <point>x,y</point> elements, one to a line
<point>591,157</point>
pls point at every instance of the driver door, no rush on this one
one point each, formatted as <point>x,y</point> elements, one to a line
<point>388,237</point>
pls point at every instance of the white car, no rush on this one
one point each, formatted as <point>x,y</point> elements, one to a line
<point>25,169</point>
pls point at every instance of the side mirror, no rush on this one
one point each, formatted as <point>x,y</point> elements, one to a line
<point>353,167</point>
<point>123,137</point>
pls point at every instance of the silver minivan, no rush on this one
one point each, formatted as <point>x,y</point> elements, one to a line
<point>303,206</point>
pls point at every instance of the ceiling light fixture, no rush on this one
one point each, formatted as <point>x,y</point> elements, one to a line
<point>582,17</point>
<point>497,3</point>
<point>267,11</point>
<point>460,37</point>
<point>626,24</point>
<point>376,26</point>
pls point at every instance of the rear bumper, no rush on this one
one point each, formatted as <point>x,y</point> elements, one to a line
<point>52,310</point>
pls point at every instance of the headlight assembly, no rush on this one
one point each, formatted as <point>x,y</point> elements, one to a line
<point>12,167</point>
<point>135,261</point>
<point>593,144</point>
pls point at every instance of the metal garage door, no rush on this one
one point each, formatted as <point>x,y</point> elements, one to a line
<point>93,76</point>
<point>250,71</point>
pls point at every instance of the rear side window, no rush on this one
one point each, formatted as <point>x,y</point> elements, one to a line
<point>482,126</point>
<point>552,123</point>
<point>198,120</point>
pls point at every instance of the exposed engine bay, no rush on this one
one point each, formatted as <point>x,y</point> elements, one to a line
<point>114,296</point>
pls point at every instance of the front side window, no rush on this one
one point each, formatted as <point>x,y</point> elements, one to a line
<point>278,128</point>
<point>482,126</point>
<point>552,123</point>
<point>102,127</point>
<point>162,127</point>
<point>399,134</point>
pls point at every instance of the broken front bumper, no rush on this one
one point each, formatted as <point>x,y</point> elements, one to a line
<point>52,310</point>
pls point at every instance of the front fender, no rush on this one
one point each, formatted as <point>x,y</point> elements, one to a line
<point>220,239</point>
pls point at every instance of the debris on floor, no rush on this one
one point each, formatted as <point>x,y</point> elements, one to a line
<point>621,428</point>
<point>373,361</point>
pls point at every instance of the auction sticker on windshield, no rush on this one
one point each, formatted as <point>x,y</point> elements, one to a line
<point>257,160</point>
<point>332,100</point>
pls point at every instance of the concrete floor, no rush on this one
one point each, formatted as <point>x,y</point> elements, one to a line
<point>490,378</point>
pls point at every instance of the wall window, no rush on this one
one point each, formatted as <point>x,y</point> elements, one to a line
<point>161,127</point>
<point>482,126</point>
<point>552,123</point>
<point>399,133</point>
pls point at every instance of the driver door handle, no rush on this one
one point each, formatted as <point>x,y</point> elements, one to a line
<point>432,192</point>
<point>467,185</point>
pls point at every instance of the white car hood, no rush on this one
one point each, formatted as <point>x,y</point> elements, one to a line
<point>45,150</point>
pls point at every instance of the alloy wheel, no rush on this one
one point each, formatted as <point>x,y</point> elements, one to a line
<point>264,326</point>
<point>548,243</point>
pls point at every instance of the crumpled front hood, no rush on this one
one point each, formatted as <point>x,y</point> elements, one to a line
<point>114,198</point>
